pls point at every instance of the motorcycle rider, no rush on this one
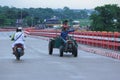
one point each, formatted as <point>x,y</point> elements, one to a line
<point>18,38</point>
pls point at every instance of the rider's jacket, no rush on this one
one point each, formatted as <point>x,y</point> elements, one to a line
<point>18,38</point>
<point>64,34</point>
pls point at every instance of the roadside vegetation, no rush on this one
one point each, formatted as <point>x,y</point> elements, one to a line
<point>33,16</point>
<point>102,18</point>
<point>106,18</point>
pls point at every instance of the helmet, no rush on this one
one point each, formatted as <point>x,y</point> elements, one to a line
<point>19,29</point>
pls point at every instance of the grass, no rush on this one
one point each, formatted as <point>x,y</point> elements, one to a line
<point>85,22</point>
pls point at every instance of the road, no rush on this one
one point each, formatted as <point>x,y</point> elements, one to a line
<point>36,64</point>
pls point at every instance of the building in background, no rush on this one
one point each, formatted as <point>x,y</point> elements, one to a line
<point>50,23</point>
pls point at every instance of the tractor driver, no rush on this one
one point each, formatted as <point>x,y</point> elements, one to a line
<point>65,31</point>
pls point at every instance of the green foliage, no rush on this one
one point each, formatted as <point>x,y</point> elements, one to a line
<point>32,16</point>
<point>85,22</point>
<point>2,19</point>
<point>106,18</point>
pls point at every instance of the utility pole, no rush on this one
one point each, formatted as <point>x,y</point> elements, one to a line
<point>32,21</point>
<point>21,18</point>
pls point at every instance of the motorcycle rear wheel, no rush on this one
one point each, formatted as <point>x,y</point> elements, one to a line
<point>17,56</point>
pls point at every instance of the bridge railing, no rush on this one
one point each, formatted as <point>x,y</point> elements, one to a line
<point>110,40</point>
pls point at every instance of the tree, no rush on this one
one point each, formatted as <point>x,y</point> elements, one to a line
<point>32,16</point>
<point>106,18</point>
<point>68,13</point>
<point>2,20</point>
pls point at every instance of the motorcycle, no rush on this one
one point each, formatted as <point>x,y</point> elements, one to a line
<point>19,50</point>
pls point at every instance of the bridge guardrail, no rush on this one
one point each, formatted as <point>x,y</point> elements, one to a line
<point>110,40</point>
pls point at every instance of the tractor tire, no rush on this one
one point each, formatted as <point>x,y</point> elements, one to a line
<point>75,52</point>
<point>61,51</point>
<point>50,48</point>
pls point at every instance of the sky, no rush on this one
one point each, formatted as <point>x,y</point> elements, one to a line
<point>55,4</point>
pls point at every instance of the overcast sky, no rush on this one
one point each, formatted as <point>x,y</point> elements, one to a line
<point>72,4</point>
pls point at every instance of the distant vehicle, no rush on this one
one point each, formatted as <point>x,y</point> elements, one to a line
<point>76,23</point>
<point>52,22</point>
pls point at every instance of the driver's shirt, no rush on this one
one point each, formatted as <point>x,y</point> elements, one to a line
<point>19,37</point>
<point>64,34</point>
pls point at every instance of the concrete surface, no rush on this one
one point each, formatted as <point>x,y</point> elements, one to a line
<point>36,64</point>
